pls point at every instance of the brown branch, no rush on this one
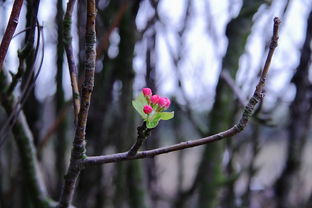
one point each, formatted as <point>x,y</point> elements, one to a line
<point>143,133</point>
<point>96,160</point>
<point>264,120</point>
<point>9,32</point>
<point>78,151</point>
<point>70,57</point>
<point>248,110</point>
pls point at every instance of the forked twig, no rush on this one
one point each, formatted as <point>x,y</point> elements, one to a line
<point>78,151</point>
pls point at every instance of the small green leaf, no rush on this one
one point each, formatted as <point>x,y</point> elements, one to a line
<point>138,108</point>
<point>152,124</point>
<point>166,115</point>
<point>141,99</point>
<point>153,121</point>
<point>139,103</point>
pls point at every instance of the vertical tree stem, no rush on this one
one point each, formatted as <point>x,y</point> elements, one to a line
<point>70,57</point>
<point>9,32</point>
<point>78,151</point>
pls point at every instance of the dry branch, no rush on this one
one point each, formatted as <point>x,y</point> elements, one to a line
<point>143,134</point>
<point>70,57</point>
<point>9,32</point>
<point>78,151</point>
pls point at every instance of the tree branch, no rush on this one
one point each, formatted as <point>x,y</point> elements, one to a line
<point>143,133</point>
<point>248,110</point>
<point>78,151</point>
<point>70,57</point>
<point>9,32</point>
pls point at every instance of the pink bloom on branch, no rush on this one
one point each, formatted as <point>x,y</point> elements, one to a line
<point>164,102</point>
<point>155,99</point>
<point>147,92</point>
<point>147,109</point>
<point>167,103</point>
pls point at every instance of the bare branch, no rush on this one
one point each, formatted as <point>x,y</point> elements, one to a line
<point>9,32</point>
<point>248,110</point>
<point>143,133</point>
<point>78,151</point>
<point>70,57</point>
<point>30,83</point>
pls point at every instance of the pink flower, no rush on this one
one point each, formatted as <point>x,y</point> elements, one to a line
<point>164,102</point>
<point>147,109</point>
<point>147,92</point>
<point>167,102</point>
<point>155,99</point>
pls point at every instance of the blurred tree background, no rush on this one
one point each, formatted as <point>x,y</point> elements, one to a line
<point>206,57</point>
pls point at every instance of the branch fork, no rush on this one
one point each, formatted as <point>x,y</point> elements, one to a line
<point>143,134</point>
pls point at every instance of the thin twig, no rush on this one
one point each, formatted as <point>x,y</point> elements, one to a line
<point>143,133</point>
<point>25,30</point>
<point>70,57</point>
<point>17,77</point>
<point>9,32</point>
<point>78,151</point>
<point>26,91</point>
<point>248,110</point>
<point>27,151</point>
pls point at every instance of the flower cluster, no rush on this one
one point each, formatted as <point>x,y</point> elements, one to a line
<point>151,107</point>
<point>155,102</point>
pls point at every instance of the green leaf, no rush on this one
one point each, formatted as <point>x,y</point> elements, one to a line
<point>153,120</point>
<point>138,103</point>
<point>139,109</point>
<point>152,124</point>
<point>166,115</point>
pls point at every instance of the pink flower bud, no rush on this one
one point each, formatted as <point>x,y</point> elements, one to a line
<point>147,109</point>
<point>162,102</point>
<point>167,103</point>
<point>147,92</point>
<point>155,99</point>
